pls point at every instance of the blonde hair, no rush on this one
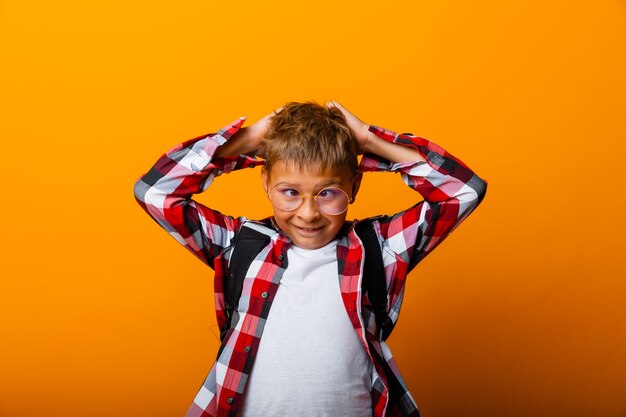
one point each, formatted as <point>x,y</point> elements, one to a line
<point>309,134</point>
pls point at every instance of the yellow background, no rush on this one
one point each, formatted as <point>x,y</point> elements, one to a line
<point>521,312</point>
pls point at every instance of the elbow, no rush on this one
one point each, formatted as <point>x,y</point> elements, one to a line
<point>475,191</point>
<point>140,189</point>
<point>481,190</point>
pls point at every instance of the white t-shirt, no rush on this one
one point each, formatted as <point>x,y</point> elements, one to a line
<point>310,361</point>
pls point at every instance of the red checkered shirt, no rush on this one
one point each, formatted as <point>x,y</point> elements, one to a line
<point>450,191</point>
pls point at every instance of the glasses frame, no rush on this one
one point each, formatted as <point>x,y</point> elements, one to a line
<point>314,197</point>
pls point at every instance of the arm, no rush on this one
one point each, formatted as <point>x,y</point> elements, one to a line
<point>450,189</point>
<point>165,191</point>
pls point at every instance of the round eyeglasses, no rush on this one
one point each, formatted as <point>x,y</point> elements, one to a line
<point>331,200</point>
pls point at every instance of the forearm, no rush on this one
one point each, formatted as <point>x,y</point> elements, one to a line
<point>435,174</point>
<point>392,152</point>
<point>186,169</point>
<point>165,192</point>
<point>451,191</point>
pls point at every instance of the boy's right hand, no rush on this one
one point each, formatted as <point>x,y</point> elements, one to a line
<point>257,131</point>
<point>247,139</point>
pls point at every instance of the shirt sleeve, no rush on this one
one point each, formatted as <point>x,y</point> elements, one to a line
<point>450,189</point>
<point>165,192</point>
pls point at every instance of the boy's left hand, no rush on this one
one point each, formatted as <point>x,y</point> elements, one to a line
<point>360,129</point>
<point>368,142</point>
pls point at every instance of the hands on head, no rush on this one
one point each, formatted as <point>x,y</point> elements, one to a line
<point>358,127</point>
<point>250,139</point>
<point>257,132</point>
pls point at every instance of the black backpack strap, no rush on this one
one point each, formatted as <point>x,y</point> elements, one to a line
<point>374,276</point>
<point>246,246</point>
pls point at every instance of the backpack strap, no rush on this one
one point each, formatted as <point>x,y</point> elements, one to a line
<point>374,282</point>
<point>247,245</point>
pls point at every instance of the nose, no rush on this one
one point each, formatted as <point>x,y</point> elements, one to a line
<point>309,211</point>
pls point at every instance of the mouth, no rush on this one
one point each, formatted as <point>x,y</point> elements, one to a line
<point>309,229</point>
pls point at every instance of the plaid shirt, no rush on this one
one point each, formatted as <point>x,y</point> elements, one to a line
<point>451,191</point>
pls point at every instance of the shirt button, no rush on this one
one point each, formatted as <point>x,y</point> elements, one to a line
<point>229,400</point>
<point>264,294</point>
<point>247,349</point>
<point>281,257</point>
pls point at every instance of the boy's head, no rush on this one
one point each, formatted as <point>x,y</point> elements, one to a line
<point>310,173</point>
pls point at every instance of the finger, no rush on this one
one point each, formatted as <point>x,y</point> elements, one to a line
<point>341,108</point>
<point>336,104</point>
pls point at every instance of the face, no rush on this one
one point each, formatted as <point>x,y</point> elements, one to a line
<point>308,226</point>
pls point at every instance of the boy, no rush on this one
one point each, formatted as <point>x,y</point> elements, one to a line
<point>317,351</point>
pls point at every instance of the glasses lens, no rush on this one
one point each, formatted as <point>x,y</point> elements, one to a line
<point>332,200</point>
<point>285,198</point>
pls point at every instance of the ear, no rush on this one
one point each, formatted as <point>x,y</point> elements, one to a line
<point>356,184</point>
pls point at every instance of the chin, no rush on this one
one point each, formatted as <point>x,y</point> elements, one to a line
<point>310,243</point>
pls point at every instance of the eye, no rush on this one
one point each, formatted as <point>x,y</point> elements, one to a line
<point>328,193</point>
<point>289,192</point>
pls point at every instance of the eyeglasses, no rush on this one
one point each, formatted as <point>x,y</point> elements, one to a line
<point>331,200</point>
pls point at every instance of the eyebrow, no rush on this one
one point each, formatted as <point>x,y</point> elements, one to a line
<point>322,185</point>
